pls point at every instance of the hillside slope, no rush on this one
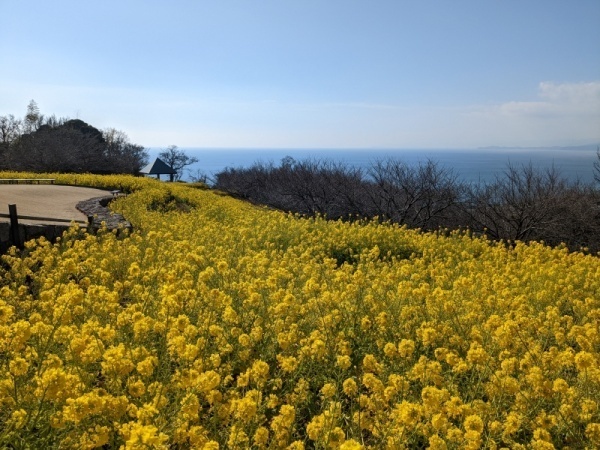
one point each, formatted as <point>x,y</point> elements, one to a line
<point>217,324</point>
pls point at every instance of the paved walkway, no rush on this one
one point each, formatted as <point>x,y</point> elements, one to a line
<point>50,201</point>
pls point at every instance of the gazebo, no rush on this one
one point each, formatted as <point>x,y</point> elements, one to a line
<point>158,167</point>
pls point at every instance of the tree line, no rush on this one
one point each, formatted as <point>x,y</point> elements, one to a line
<point>523,203</point>
<point>39,143</point>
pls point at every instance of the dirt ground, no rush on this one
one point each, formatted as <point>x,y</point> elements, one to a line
<point>49,201</point>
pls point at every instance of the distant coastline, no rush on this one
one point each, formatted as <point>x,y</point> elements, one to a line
<point>584,147</point>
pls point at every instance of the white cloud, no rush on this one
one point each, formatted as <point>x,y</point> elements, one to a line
<point>563,114</point>
<point>565,99</point>
<point>571,92</point>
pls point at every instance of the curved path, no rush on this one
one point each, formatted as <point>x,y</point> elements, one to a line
<point>48,201</point>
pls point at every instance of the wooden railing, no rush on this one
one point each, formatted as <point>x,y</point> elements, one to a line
<point>27,180</point>
<point>14,223</point>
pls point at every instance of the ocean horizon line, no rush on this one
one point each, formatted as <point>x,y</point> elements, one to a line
<point>590,146</point>
<point>574,163</point>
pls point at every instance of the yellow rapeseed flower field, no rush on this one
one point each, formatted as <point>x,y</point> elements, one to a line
<point>218,324</point>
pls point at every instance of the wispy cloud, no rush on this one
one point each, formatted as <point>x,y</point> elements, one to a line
<point>558,99</point>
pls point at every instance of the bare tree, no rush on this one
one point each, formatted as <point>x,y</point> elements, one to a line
<point>121,155</point>
<point>33,118</point>
<point>597,166</point>
<point>424,196</point>
<point>200,176</point>
<point>521,205</point>
<point>177,159</point>
<point>10,130</point>
<point>310,187</point>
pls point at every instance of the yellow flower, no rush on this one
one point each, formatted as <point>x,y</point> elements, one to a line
<point>315,427</point>
<point>408,414</point>
<point>246,408</point>
<point>477,354</point>
<point>439,422</point>
<point>373,383</point>
<point>351,444</point>
<point>282,423</point>
<point>116,361</point>
<point>136,388</point>
<point>328,390</point>
<point>473,423</point>
<point>542,440</point>
<point>406,347</point>
<point>260,372</point>
<point>198,436</point>
<point>147,412</point>
<point>244,340</point>
<point>190,406</point>
<point>18,366</point>
<point>138,436</point>
<point>587,409</point>
<point>301,390</point>
<point>512,424</point>
<point>545,420</point>
<point>237,438</point>
<point>370,364</point>
<point>214,397</point>
<point>215,359</point>
<point>592,431</point>
<point>584,360</point>
<point>437,443</point>
<point>365,323</point>
<point>95,437</point>
<point>560,385</point>
<point>318,349</point>
<point>134,270</point>
<point>454,407</point>
<point>207,381</point>
<point>287,363</point>
<point>428,336</point>
<point>18,418</point>
<point>433,398</point>
<point>473,439</point>
<point>57,384</point>
<point>335,438</point>
<point>343,361</point>
<point>261,437</point>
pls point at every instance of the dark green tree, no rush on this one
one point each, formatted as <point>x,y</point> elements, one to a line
<point>60,146</point>
<point>39,143</point>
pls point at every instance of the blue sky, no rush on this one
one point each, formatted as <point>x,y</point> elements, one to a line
<point>310,73</point>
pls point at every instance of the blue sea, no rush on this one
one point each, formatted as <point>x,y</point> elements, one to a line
<point>471,165</point>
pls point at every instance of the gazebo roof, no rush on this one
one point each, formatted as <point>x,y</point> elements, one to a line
<point>158,167</point>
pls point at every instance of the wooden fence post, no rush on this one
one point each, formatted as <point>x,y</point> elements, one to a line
<point>14,226</point>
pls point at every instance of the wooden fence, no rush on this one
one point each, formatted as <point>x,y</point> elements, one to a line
<point>15,236</point>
